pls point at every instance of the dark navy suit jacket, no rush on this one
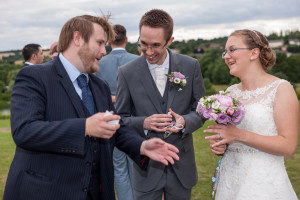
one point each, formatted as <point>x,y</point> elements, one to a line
<point>48,126</point>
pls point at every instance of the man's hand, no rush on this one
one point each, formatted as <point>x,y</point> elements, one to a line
<point>179,122</point>
<point>157,122</point>
<point>160,151</point>
<point>97,125</point>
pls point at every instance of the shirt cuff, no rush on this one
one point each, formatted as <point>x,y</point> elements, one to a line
<point>183,130</point>
<point>146,132</point>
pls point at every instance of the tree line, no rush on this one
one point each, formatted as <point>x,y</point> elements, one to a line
<point>213,68</point>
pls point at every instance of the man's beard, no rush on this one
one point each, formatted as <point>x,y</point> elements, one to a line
<point>87,58</point>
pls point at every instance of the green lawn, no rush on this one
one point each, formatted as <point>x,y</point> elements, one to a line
<point>7,149</point>
<point>220,87</point>
<point>4,123</point>
<point>206,163</point>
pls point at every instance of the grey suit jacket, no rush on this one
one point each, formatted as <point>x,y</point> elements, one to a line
<point>108,67</point>
<point>138,98</point>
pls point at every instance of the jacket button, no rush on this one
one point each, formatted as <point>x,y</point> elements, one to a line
<point>85,189</point>
<point>88,163</point>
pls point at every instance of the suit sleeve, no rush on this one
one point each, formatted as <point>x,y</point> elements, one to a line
<point>31,130</point>
<point>124,105</point>
<point>128,141</point>
<point>192,120</point>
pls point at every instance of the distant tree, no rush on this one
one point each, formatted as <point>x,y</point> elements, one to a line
<point>234,80</point>
<point>288,67</point>
<point>5,96</point>
<point>294,68</point>
<point>220,73</point>
<point>2,87</point>
<point>132,48</point>
<point>209,90</point>
<point>274,36</point>
<point>293,48</point>
<point>280,65</point>
<point>204,61</point>
<point>286,40</point>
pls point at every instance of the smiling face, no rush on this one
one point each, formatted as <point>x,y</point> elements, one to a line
<point>239,59</point>
<point>91,52</point>
<point>153,44</point>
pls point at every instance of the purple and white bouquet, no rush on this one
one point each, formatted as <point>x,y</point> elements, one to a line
<point>221,108</point>
<point>177,79</point>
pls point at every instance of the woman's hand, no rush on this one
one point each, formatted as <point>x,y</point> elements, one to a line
<point>224,134</point>
<point>218,150</point>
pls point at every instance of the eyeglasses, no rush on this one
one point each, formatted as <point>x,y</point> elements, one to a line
<point>231,51</point>
<point>144,46</point>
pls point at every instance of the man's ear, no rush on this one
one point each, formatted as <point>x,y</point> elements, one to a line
<point>255,54</point>
<point>170,41</point>
<point>77,38</point>
<point>33,57</point>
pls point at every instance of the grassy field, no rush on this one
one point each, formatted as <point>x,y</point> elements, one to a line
<point>206,163</point>
<point>7,149</point>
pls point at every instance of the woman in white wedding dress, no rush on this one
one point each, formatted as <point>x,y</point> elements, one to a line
<point>253,164</point>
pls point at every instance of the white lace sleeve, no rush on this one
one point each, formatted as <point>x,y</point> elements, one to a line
<point>274,92</point>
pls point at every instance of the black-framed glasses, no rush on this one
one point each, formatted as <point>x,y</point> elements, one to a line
<point>145,46</point>
<point>231,51</point>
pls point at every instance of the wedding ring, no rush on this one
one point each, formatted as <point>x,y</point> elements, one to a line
<point>220,136</point>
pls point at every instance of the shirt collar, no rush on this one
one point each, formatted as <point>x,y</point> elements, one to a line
<point>118,48</point>
<point>72,71</point>
<point>164,65</point>
<point>28,63</point>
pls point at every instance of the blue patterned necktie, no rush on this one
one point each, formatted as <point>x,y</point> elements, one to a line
<point>87,97</point>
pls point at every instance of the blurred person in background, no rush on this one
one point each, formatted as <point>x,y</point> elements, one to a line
<point>32,54</point>
<point>53,50</point>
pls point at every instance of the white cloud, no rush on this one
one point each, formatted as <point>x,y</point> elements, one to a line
<point>36,21</point>
<point>216,30</point>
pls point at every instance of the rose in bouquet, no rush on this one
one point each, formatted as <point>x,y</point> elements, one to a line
<point>177,79</point>
<point>221,108</point>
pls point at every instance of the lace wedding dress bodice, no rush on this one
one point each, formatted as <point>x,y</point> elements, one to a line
<point>246,172</point>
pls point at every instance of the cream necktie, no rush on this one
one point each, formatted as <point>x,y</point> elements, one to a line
<point>160,79</point>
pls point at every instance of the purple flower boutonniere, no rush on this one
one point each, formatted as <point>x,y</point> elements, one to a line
<point>177,79</point>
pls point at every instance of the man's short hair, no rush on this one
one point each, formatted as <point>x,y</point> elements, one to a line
<point>157,18</point>
<point>120,32</point>
<point>29,50</point>
<point>84,25</point>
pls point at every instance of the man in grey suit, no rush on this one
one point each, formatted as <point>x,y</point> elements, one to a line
<point>108,69</point>
<point>144,97</point>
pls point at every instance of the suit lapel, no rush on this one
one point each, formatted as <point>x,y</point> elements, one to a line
<point>173,66</point>
<point>66,83</point>
<point>148,83</point>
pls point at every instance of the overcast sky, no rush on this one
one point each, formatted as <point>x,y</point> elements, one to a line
<point>40,21</point>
